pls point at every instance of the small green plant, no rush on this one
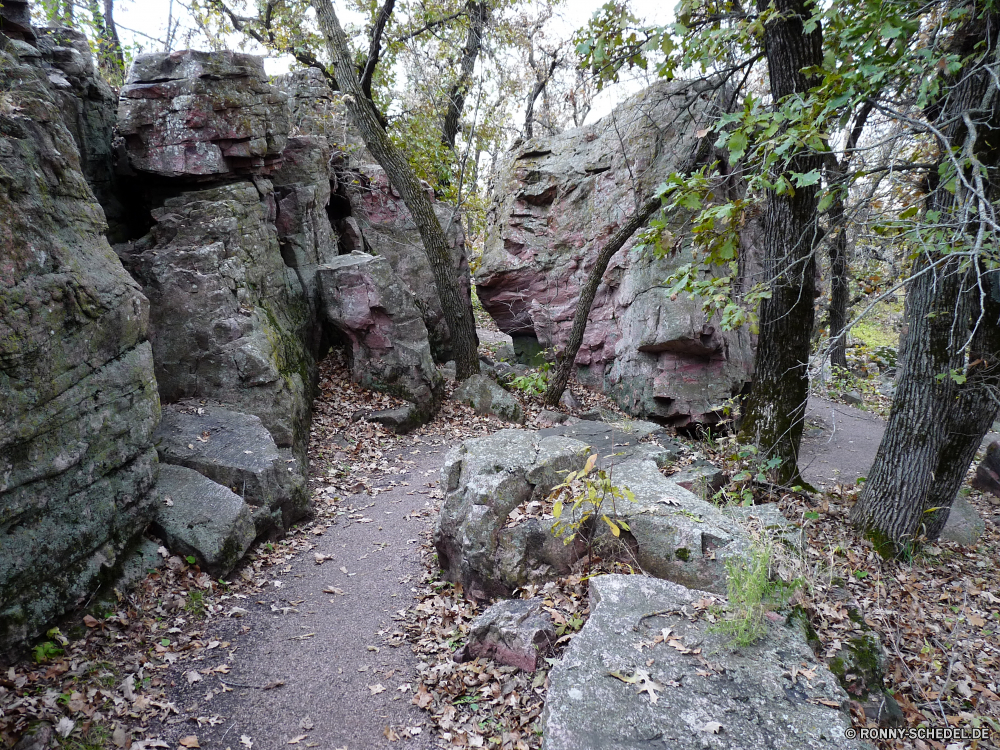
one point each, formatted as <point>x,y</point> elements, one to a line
<point>749,588</point>
<point>573,624</point>
<point>585,493</point>
<point>534,383</point>
<point>191,559</point>
<point>195,603</point>
<point>46,651</point>
<point>740,489</point>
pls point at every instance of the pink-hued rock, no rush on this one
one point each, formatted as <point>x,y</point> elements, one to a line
<point>202,114</point>
<point>515,632</point>
<point>557,201</point>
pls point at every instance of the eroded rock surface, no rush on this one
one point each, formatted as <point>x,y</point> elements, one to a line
<point>557,201</point>
<point>389,348</point>
<point>720,698</point>
<point>79,400</point>
<point>491,550</point>
<point>485,396</point>
<point>202,114</point>
<point>225,325</point>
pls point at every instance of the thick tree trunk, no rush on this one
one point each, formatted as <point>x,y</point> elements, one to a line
<point>457,307</point>
<point>567,358</point>
<point>479,13</point>
<point>937,422</point>
<point>772,414</point>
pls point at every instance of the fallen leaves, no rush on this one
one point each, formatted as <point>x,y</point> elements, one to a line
<point>190,741</point>
<point>643,682</point>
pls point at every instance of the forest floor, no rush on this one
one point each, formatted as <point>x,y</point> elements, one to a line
<point>340,635</point>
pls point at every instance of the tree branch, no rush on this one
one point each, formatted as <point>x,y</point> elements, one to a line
<point>375,48</point>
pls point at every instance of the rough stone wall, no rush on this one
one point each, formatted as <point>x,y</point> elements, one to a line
<point>78,399</point>
<point>557,200</point>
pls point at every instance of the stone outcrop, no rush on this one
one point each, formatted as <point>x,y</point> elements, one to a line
<point>88,106</point>
<point>716,697</point>
<point>389,351</point>
<point>387,229</point>
<point>557,200</point>
<point>79,400</point>
<point>225,325</point>
<point>485,396</point>
<point>488,538</point>
<point>202,115</point>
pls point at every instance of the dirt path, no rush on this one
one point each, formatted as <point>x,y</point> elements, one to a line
<point>325,634</point>
<point>838,444</point>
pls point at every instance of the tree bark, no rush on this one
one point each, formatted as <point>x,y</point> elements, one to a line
<point>567,358</point>
<point>114,41</point>
<point>937,422</point>
<point>479,13</point>
<point>457,308</point>
<point>539,87</point>
<point>773,412</point>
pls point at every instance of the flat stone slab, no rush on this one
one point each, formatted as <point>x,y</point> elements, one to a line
<point>616,443</point>
<point>717,698</point>
<point>236,451</point>
<point>199,517</point>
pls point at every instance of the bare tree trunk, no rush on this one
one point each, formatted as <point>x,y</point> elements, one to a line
<point>567,357</point>
<point>840,295</point>
<point>950,363</point>
<point>479,13</point>
<point>539,87</point>
<point>457,308</point>
<point>114,41</point>
<point>773,412</point>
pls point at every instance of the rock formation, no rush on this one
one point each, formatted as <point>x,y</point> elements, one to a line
<point>366,212</point>
<point>202,114</point>
<point>79,400</point>
<point>557,200</point>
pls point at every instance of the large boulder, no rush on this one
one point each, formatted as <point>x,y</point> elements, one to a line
<point>485,396</point>
<point>388,345</point>
<point>79,401</point>
<point>234,450</point>
<point>226,322</point>
<point>494,532</point>
<point>202,115</point>
<point>388,229</point>
<point>557,200</point>
<point>623,683</point>
<point>199,517</point>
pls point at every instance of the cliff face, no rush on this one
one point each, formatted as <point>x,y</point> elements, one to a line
<point>79,401</point>
<point>557,200</point>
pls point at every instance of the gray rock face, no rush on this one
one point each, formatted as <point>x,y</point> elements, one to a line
<point>515,632</point>
<point>557,201</point>
<point>225,324</point>
<point>305,236</point>
<point>716,699</point>
<point>485,396</point>
<point>202,114</point>
<point>235,450</point>
<point>673,534</point>
<point>88,106</point>
<point>390,351</point>
<point>199,517</point>
<point>388,230</point>
<point>79,401</point>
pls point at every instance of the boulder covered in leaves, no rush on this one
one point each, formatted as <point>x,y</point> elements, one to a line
<point>649,670</point>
